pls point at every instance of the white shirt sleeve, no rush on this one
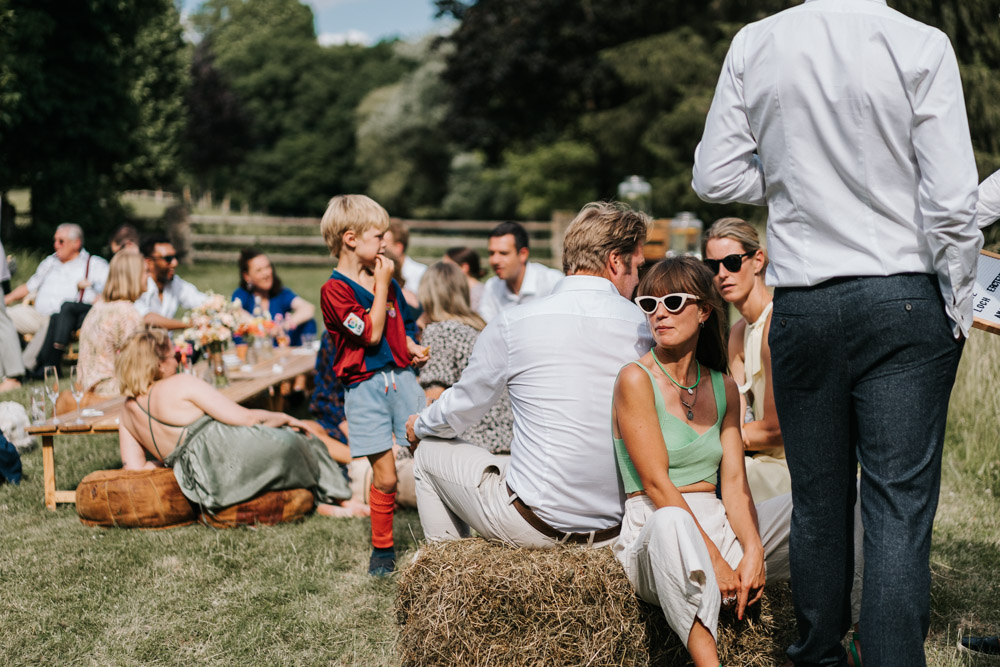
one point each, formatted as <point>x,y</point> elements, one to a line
<point>726,166</point>
<point>488,305</point>
<point>35,281</point>
<point>988,209</point>
<point>98,273</point>
<point>946,193</point>
<point>482,382</point>
<point>189,296</point>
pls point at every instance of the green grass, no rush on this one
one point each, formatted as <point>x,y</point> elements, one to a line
<point>298,594</point>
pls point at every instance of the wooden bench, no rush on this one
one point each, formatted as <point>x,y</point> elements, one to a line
<point>264,378</point>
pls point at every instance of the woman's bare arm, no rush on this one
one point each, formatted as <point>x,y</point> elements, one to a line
<point>764,432</point>
<point>302,311</point>
<point>132,453</point>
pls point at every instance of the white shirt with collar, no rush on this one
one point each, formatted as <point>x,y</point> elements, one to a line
<point>55,282</point>
<point>988,209</point>
<point>539,280</point>
<point>847,119</point>
<point>558,356</point>
<point>176,293</point>
<point>412,272</point>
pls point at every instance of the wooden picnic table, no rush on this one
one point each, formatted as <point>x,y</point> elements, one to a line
<point>245,383</point>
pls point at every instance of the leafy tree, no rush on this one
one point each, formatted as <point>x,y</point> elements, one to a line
<point>402,146</point>
<point>478,191</point>
<point>73,81</point>
<point>553,176</point>
<point>297,97</point>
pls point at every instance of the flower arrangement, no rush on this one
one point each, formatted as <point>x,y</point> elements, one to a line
<point>255,326</point>
<point>212,324</point>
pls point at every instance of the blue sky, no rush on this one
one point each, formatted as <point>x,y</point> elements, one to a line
<point>366,21</point>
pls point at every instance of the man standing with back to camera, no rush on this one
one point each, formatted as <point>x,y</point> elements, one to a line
<point>847,119</point>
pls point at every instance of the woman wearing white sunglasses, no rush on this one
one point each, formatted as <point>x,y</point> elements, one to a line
<point>676,421</point>
<point>732,251</point>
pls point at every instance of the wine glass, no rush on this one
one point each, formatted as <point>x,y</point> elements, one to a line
<point>51,375</point>
<point>76,388</point>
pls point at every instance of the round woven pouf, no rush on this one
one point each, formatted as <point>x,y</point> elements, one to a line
<point>133,499</point>
<point>266,509</point>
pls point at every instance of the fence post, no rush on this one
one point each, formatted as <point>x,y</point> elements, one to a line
<point>560,221</point>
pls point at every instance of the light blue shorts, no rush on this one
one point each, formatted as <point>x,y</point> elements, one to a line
<point>379,407</point>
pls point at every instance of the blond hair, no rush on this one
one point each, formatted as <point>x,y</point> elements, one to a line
<point>738,230</point>
<point>444,294</point>
<point>137,366</point>
<point>125,274</point>
<point>356,213</point>
<point>599,229</point>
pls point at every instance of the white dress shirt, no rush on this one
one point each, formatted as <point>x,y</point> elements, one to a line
<point>55,282</point>
<point>988,209</point>
<point>847,119</point>
<point>177,293</point>
<point>412,272</point>
<point>558,356</point>
<point>539,280</point>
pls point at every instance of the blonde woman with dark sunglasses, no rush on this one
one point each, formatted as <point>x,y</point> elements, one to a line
<point>732,251</point>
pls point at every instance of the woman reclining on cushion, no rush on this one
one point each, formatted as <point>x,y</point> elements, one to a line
<point>222,453</point>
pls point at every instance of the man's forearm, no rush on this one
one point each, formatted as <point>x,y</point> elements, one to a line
<point>157,320</point>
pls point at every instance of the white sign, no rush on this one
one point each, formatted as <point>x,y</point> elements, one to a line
<point>986,293</point>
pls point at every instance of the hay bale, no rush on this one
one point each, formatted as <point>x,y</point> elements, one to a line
<point>470,602</point>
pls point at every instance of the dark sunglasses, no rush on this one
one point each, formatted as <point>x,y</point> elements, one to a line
<point>672,302</point>
<point>169,259</point>
<point>733,263</point>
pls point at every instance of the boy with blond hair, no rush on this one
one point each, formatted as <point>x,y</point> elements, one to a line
<point>372,332</point>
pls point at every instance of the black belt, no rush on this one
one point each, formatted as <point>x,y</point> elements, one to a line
<point>566,538</point>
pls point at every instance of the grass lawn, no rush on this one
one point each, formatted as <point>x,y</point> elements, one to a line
<point>299,594</point>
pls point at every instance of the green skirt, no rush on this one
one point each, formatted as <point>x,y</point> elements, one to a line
<point>218,465</point>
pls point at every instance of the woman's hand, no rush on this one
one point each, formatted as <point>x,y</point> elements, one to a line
<point>726,578</point>
<point>751,576</point>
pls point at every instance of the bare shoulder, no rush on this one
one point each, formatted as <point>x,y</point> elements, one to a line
<point>632,377</point>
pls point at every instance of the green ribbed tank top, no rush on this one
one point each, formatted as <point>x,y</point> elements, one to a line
<point>693,457</point>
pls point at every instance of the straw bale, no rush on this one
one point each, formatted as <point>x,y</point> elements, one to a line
<point>469,602</point>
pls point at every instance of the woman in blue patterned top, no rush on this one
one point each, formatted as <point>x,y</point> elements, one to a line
<point>261,286</point>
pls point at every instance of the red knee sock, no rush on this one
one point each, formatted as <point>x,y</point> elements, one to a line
<point>383,506</point>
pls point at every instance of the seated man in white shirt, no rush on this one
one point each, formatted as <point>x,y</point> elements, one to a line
<point>517,280</point>
<point>397,240</point>
<point>69,274</point>
<point>558,357</point>
<point>165,292</point>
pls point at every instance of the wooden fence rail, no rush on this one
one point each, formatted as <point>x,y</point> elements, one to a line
<point>219,238</point>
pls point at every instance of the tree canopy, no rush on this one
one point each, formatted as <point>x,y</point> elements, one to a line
<point>525,107</point>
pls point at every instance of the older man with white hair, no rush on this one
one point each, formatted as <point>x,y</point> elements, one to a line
<point>69,274</point>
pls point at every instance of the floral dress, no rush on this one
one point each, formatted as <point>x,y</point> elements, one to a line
<point>105,329</point>
<point>451,344</point>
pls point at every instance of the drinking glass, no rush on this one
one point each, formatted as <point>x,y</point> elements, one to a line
<point>76,388</point>
<point>37,406</point>
<point>51,375</point>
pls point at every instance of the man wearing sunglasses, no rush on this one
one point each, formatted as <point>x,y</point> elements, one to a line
<point>165,292</point>
<point>861,152</point>
<point>558,357</point>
